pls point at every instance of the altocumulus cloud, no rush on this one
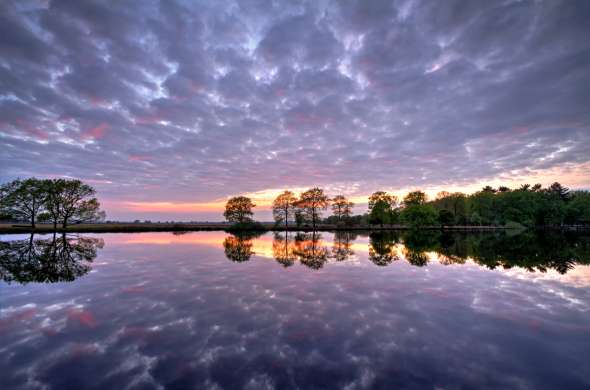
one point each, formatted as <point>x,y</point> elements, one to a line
<point>191,102</point>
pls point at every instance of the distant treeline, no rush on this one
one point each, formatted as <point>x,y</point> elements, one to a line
<point>59,201</point>
<point>526,206</point>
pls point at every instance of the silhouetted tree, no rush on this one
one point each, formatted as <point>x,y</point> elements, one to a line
<point>24,199</point>
<point>414,198</point>
<point>341,207</point>
<point>69,201</point>
<point>311,203</point>
<point>283,208</point>
<point>239,209</point>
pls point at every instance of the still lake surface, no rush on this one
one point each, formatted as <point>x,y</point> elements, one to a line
<point>308,311</point>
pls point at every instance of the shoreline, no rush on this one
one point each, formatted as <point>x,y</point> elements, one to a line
<point>188,227</point>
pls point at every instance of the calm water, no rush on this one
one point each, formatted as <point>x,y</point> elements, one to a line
<point>211,310</point>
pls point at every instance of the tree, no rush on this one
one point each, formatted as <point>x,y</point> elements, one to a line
<point>380,213</point>
<point>414,198</point>
<point>311,203</point>
<point>341,207</point>
<point>76,202</point>
<point>559,191</point>
<point>417,215</point>
<point>24,199</point>
<point>377,196</point>
<point>239,209</point>
<point>283,208</point>
<point>381,208</point>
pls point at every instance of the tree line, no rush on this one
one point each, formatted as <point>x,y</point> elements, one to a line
<point>58,201</point>
<point>526,206</point>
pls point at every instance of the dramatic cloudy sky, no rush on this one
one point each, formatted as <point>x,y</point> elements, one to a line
<point>170,107</point>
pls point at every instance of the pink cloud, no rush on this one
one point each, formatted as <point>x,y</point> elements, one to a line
<point>97,132</point>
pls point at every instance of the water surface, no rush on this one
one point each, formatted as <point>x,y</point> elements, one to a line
<point>307,311</point>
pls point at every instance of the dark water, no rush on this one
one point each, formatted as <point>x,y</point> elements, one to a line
<point>210,310</point>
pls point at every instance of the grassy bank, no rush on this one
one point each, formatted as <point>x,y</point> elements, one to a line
<point>172,227</point>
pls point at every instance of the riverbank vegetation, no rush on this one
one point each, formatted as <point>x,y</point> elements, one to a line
<point>526,206</point>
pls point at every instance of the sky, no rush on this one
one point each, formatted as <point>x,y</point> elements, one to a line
<point>170,107</point>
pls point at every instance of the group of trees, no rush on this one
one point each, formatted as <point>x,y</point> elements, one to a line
<point>59,201</point>
<point>288,208</point>
<point>526,206</point>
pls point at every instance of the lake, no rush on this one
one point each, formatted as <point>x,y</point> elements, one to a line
<point>419,310</point>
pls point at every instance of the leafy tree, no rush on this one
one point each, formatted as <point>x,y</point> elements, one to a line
<point>341,207</point>
<point>383,196</point>
<point>76,202</point>
<point>578,209</point>
<point>445,217</point>
<point>239,209</point>
<point>311,203</point>
<point>414,198</point>
<point>382,208</point>
<point>24,199</point>
<point>418,215</point>
<point>283,208</point>
<point>380,213</point>
<point>557,190</point>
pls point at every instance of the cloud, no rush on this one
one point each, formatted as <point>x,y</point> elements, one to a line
<point>230,97</point>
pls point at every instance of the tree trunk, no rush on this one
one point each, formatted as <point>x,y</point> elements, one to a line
<point>33,220</point>
<point>65,223</point>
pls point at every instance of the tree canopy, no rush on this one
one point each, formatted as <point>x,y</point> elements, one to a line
<point>239,209</point>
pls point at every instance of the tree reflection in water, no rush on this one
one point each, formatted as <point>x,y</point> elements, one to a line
<point>342,247</point>
<point>238,247</point>
<point>283,249</point>
<point>382,249</point>
<point>61,258</point>
<point>310,250</point>
<point>534,251</point>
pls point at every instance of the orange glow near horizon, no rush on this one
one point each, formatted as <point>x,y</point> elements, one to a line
<point>574,176</point>
<point>263,247</point>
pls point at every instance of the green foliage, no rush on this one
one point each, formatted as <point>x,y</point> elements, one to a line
<point>445,217</point>
<point>418,215</point>
<point>380,213</point>
<point>55,200</point>
<point>414,198</point>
